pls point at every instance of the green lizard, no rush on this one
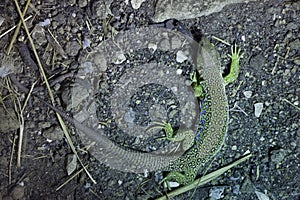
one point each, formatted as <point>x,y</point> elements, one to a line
<point>212,126</point>
<point>213,119</point>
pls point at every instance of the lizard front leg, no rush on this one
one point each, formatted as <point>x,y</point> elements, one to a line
<point>235,56</point>
<point>198,89</point>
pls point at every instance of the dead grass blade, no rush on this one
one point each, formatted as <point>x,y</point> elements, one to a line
<point>204,179</point>
<point>17,29</point>
<point>12,28</point>
<point>49,90</point>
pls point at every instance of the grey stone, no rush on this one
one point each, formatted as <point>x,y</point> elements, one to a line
<point>187,9</point>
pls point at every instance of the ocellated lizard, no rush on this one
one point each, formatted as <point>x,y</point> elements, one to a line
<point>213,119</point>
<point>212,125</point>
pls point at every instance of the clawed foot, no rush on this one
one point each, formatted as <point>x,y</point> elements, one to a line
<point>235,56</point>
<point>236,53</point>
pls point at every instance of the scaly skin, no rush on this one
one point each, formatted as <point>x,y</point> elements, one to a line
<point>213,126</point>
<point>213,113</point>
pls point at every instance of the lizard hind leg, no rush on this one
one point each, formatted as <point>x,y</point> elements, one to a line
<point>186,136</point>
<point>181,178</point>
<point>166,127</point>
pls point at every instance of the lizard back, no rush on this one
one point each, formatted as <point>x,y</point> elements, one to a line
<point>213,111</point>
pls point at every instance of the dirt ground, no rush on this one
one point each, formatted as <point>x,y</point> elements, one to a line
<point>263,102</point>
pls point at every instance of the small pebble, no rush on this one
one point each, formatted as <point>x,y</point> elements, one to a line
<point>173,184</point>
<point>53,133</point>
<point>120,58</point>
<point>261,196</point>
<point>87,185</point>
<point>82,3</point>
<point>71,163</point>
<point>293,144</point>
<point>72,48</point>
<point>45,22</point>
<point>86,43</point>
<point>243,38</point>
<point>152,46</point>
<point>180,56</point>
<point>120,182</point>
<point>216,193</point>
<point>258,107</point>
<point>262,139</point>
<point>179,71</point>
<point>71,2</point>
<point>277,156</point>
<point>38,35</point>
<point>136,4</point>
<point>234,148</point>
<point>247,94</point>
